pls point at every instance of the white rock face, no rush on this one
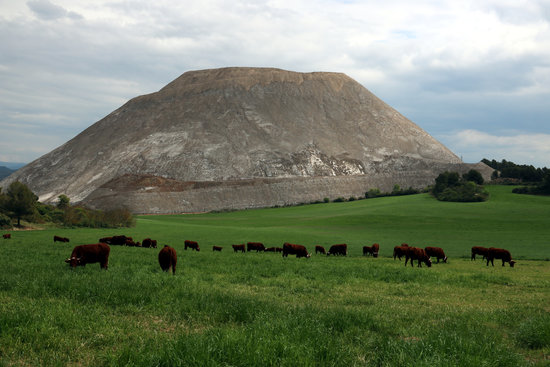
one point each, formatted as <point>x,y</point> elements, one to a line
<point>225,125</point>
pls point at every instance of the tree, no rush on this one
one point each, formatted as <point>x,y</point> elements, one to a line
<point>63,201</point>
<point>20,200</point>
<point>473,176</point>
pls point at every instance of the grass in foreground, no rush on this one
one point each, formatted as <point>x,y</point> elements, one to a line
<point>260,309</point>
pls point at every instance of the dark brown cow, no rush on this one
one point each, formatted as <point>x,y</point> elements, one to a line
<point>89,254</point>
<point>298,250</point>
<point>238,248</point>
<point>6,236</point>
<point>371,250</point>
<point>436,252</point>
<point>60,239</point>
<point>341,249</point>
<point>479,250</point>
<point>131,243</point>
<point>418,254</point>
<point>320,250</point>
<point>217,248</point>
<point>149,243</point>
<point>192,245</point>
<point>116,240</point>
<point>499,253</point>
<point>258,246</point>
<point>168,259</point>
<point>400,251</point>
<point>271,249</point>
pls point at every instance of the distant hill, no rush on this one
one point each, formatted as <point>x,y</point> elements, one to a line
<point>5,172</point>
<point>12,165</point>
<point>241,138</point>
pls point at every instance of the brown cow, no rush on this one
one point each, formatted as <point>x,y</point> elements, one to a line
<point>341,249</point>
<point>371,250</point>
<point>168,259</point>
<point>192,245</point>
<point>116,240</point>
<point>436,252</point>
<point>271,249</point>
<point>6,236</point>
<point>60,239</point>
<point>149,243</point>
<point>418,254</point>
<point>400,251</point>
<point>499,253</point>
<point>320,250</point>
<point>258,246</point>
<point>237,248</point>
<point>131,243</point>
<point>89,254</point>
<point>217,248</point>
<point>478,250</point>
<point>298,250</point>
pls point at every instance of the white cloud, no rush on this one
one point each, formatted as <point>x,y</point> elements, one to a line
<point>447,65</point>
<point>517,147</point>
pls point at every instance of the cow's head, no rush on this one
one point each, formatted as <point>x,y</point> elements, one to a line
<point>308,255</point>
<point>74,261</point>
<point>428,262</point>
<point>512,262</point>
<point>198,248</point>
<point>375,254</point>
<point>445,259</point>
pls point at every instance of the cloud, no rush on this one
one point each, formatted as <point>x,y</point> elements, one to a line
<point>446,65</point>
<point>47,10</point>
<point>519,148</point>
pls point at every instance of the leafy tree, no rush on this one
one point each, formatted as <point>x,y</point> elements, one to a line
<point>474,176</point>
<point>63,201</point>
<point>20,201</point>
<point>449,187</point>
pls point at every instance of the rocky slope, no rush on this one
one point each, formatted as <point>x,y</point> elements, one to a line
<point>237,138</point>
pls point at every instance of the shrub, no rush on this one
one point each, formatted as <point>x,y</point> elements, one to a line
<point>339,200</point>
<point>449,187</point>
<point>5,221</point>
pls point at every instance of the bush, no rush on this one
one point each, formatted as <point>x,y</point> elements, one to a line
<point>5,221</point>
<point>373,193</point>
<point>339,200</point>
<point>449,187</point>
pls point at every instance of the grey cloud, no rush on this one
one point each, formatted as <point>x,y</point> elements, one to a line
<point>47,10</point>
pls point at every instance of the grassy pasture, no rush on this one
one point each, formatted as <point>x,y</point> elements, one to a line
<point>260,309</point>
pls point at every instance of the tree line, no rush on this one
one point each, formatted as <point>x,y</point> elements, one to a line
<point>523,172</point>
<point>20,203</point>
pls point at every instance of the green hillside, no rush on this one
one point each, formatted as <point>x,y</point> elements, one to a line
<point>516,222</point>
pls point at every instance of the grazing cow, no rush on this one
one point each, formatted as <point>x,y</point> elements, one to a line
<point>298,250</point>
<point>499,253</point>
<point>89,254</point>
<point>60,239</point>
<point>400,251</point>
<point>278,249</point>
<point>341,249</point>
<point>320,250</point>
<point>436,252</point>
<point>217,248</point>
<point>115,240</point>
<point>168,259</point>
<point>6,236</point>
<point>131,243</point>
<point>371,250</point>
<point>479,250</point>
<point>258,246</point>
<point>271,249</point>
<point>238,248</point>
<point>149,243</point>
<point>192,245</point>
<point>418,254</point>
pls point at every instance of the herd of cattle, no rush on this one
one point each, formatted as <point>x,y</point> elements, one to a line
<point>167,257</point>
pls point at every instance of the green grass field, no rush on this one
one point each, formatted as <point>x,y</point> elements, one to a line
<point>258,309</point>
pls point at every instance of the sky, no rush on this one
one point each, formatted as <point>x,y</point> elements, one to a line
<point>474,74</point>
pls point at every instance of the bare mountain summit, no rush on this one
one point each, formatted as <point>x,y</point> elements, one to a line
<point>241,138</point>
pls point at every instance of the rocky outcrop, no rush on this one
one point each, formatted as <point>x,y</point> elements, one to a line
<point>238,138</point>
